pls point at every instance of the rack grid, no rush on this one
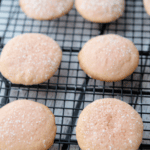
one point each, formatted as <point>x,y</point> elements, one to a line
<point>69,91</point>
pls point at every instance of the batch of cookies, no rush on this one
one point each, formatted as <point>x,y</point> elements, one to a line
<point>28,59</point>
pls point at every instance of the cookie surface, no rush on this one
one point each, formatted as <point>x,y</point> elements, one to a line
<point>46,9</point>
<point>109,124</point>
<point>147,6</point>
<point>30,59</point>
<point>100,11</point>
<point>109,58</point>
<point>26,125</point>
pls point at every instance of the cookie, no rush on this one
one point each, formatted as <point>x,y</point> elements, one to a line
<point>147,6</point>
<point>26,125</point>
<point>46,9</point>
<point>109,124</point>
<point>100,11</point>
<point>30,59</point>
<point>109,58</point>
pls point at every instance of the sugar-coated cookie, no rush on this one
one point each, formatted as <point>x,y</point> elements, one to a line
<point>109,58</point>
<point>147,6</point>
<point>30,59</point>
<point>26,125</point>
<point>100,11</point>
<point>46,9</point>
<point>109,124</point>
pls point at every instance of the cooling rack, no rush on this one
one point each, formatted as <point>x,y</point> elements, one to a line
<point>69,91</point>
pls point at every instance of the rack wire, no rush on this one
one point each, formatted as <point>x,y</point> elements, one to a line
<point>69,91</point>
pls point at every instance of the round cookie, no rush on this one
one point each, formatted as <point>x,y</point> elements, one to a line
<point>147,6</point>
<point>100,11</point>
<point>26,125</point>
<point>109,124</point>
<point>46,9</point>
<point>30,59</point>
<point>109,58</point>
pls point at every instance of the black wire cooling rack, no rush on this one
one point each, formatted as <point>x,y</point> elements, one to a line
<point>70,90</point>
